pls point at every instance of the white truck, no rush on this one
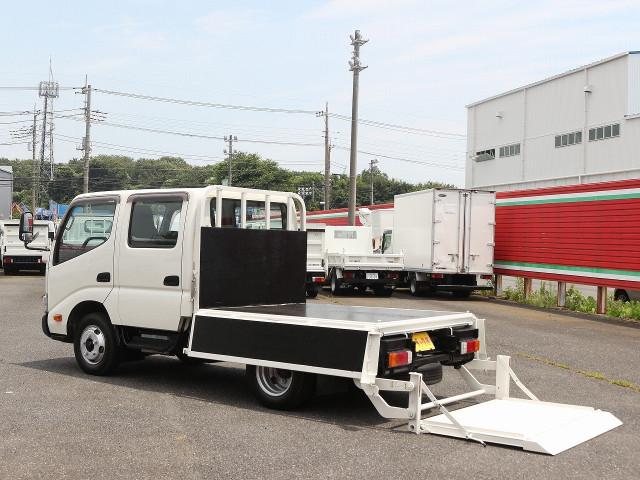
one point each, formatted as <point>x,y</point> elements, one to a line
<point>447,237</point>
<point>13,254</point>
<point>179,272</point>
<point>350,262</point>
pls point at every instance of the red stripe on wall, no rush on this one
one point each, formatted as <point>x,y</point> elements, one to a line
<point>585,187</point>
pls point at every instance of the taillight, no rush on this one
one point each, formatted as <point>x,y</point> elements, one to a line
<point>349,275</point>
<point>436,275</point>
<point>7,260</point>
<point>486,277</point>
<point>318,279</point>
<point>399,358</point>
<point>469,346</point>
<point>393,275</point>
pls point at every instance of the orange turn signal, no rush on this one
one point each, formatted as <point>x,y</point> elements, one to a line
<point>57,318</point>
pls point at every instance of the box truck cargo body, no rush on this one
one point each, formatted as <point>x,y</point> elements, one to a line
<point>447,238</point>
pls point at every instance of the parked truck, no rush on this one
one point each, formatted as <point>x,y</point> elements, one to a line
<point>179,272</point>
<point>13,254</point>
<point>350,262</point>
<point>447,237</point>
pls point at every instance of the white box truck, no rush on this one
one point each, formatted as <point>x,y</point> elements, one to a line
<point>13,254</point>
<point>218,274</point>
<point>447,237</point>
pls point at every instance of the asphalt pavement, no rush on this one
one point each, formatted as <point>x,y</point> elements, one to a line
<point>161,418</point>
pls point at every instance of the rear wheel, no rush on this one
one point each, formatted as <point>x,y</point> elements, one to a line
<point>413,286</point>
<point>278,388</point>
<point>335,285</point>
<point>622,296</point>
<point>96,345</point>
<point>312,292</point>
<point>7,270</point>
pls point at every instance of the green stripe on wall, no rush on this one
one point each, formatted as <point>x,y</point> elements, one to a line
<point>592,198</point>
<point>570,269</point>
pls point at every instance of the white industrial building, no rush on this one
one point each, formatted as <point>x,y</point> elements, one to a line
<point>581,126</point>
<point>6,192</point>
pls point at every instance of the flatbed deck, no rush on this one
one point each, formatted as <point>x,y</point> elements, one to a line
<point>329,339</point>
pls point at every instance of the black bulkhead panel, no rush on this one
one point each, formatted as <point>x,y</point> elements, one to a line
<point>251,267</point>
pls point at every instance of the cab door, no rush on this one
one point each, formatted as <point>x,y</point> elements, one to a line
<point>149,261</point>
<point>81,266</point>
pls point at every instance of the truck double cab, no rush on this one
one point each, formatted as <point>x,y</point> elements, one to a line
<point>13,254</point>
<point>218,274</point>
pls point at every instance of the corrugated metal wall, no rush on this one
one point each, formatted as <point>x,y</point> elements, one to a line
<point>587,234</point>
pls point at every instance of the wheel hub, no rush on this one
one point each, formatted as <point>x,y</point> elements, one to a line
<point>92,344</point>
<point>273,381</point>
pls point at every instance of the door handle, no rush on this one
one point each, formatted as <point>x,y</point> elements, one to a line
<point>172,281</point>
<point>103,277</point>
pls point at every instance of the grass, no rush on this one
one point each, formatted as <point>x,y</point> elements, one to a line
<point>597,376</point>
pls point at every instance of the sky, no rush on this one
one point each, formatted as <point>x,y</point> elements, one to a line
<point>230,64</point>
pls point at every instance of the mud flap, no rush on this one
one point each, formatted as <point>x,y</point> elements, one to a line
<point>532,425</point>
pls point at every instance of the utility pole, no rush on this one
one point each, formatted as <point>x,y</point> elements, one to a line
<point>86,141</point>
<point>230,139</point>
<point>327,157</point>
<point>372,169</point>
<point>355,66</point>
<point>48,90</point>
<point>33,155</point>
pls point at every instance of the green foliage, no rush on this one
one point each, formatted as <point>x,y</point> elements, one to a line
<point>575,301</point>
<point>623,309</point>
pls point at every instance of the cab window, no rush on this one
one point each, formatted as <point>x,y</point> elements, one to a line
<point>88,225</point>
<point>154,223</point>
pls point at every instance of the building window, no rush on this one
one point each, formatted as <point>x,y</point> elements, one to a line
<point>485,155</point>
<point>604,132</point>
<point>510,150</point>
<point>566,139</point>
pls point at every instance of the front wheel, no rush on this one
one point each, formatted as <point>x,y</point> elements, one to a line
<point>278,388</point>
<point>96,346</point>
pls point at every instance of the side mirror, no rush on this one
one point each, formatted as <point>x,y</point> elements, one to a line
<point>26,227</point>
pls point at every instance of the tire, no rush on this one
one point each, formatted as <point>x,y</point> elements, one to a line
<point>413,286</point>
<point>335,286</point>
<point>622,296</point>
<point>312,292</point>
<point>280,389</point>
<point>461,294</point>
<point>43,270</point>
<point>96,345</point>
<point>7,270</point>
